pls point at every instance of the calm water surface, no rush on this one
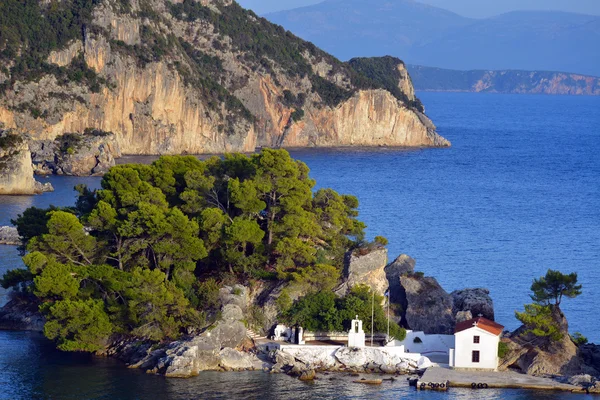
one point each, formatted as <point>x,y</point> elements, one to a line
<point>518,193</point>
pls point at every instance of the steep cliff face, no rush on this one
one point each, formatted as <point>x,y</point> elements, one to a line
<point>16,171</point>
<point>194,78</point>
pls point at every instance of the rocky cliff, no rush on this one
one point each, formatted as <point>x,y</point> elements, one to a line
<point>16,170</point>
<point>536,355</point>
<point>199,77</point>
<point>423,305</point>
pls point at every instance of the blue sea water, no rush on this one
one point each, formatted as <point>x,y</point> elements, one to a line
<point>518,193</point>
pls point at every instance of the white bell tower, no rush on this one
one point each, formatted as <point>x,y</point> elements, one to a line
<point>356,335</point>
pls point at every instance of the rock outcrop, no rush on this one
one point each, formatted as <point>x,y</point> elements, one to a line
<point>16,170</point>
<point>367,360</point>
<point>429,306</point>
<point>591,355</point>
<point>203,91</point>
<point>219,348</point>
<point>9,236</point>
<point>365,267</point>
<point>402,265</point>
<point>21,314</point>
<point>425,306</point>
<point>92,153</point>
<point>474,301</point>
<point>542,356</point>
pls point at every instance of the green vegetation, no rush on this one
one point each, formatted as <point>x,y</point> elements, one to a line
<point>266,45</point>
<point>502,350</point>
<point>551,288</point>
<point>30,30</point>
<point>9,141</point>
<point>322,311</point>
<point>542,319</point>
<point>579,339</point>
<point>162,239</point>
<point>384,72</point>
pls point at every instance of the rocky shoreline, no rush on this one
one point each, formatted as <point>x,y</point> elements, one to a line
<point>9,236</point>
<point>226,345</point>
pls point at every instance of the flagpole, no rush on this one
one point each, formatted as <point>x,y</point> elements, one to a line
<point>388,312</point>
<point>372,315</point>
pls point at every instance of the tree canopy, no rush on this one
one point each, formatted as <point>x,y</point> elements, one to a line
<point>551,288</point>
<point>542,319</point>
<point>145,254</point>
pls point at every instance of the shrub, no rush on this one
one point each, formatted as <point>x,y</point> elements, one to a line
<point>381,240</point>
<point>502,349</point>
<point>579,339</point>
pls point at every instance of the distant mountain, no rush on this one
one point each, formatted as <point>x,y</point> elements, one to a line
<point>366,28</point>
<point>508,81</point>
<point>427,35</point>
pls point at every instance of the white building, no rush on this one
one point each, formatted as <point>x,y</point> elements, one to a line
<point>476,344</point>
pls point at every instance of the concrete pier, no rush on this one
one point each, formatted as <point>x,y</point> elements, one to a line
<point>490,380</point>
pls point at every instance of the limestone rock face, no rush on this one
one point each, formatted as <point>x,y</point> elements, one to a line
<point>16,171</point>
<point>405,83</point>
<point>9,236</point>
<point>154,107</point>
<point>476,301</point>
<point>365,269</point>
<point>429,306</point>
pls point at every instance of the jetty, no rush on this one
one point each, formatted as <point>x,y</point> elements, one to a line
<point>435,377</point>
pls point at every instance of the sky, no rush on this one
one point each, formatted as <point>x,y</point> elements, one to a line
<point>467,8</point>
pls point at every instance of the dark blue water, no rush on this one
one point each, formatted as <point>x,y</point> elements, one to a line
<point>518,193</point>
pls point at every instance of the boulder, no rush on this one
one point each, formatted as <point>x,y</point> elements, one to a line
<point>462,316</point>
<point>429,306</point>
<point>582,380</point>
<point>351,357</point>
<point>307,375</point>
<point>235,360</point>
<point>365,267</point>
<point>9,236</point>
<point>477,301</point>
<point>402,265</point>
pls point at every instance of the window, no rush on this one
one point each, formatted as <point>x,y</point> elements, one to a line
<point>475,356</point>
<point>475,339</point>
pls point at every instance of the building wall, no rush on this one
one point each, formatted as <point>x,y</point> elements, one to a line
<point>431,344</point>
<point>487,346</point>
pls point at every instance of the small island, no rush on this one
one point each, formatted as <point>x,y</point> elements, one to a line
<point>184,266</point>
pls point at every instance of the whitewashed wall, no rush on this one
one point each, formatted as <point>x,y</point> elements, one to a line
<point>487,346</point>
<point>431,344</point>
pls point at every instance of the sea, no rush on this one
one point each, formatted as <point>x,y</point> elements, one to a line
<point>518,193</point>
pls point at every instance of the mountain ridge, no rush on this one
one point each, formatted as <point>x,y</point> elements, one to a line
<point>503,81</point>
<point>528,40</point>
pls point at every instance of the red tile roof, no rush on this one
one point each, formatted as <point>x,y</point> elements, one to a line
<point>482,323</point>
